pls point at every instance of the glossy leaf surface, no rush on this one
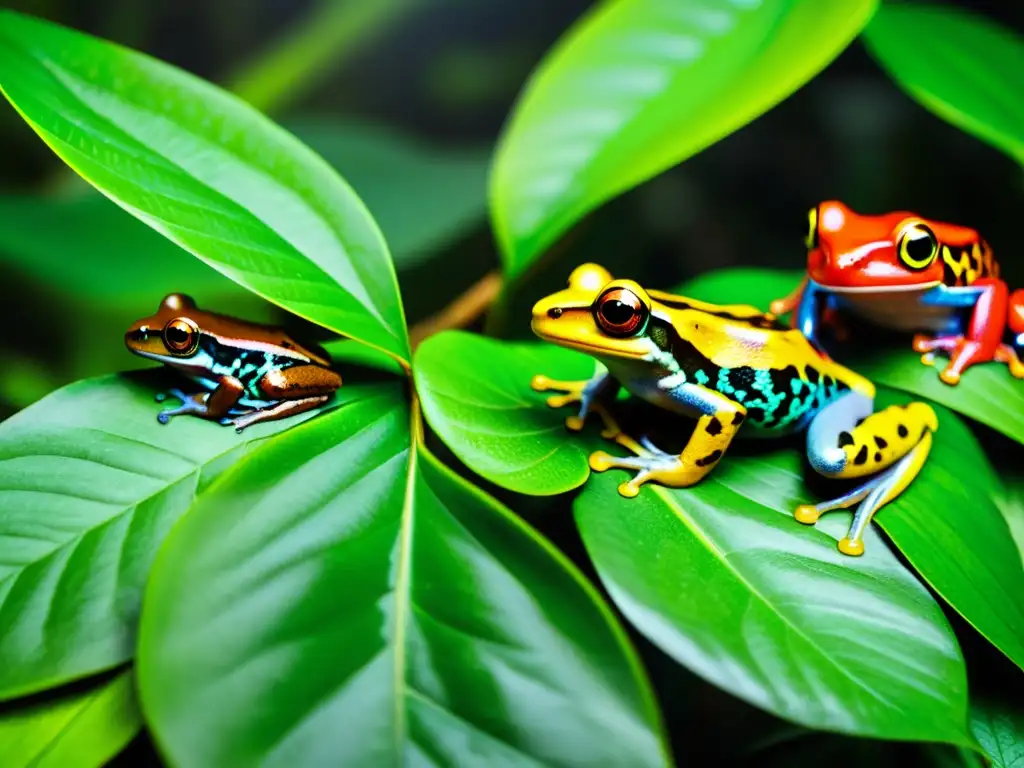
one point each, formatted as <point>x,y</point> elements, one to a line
<point>210,173</point>
<point>90,483</point>
<point>638,86</point>
<point>373,609</point>
<point>422,196</point>
<point>725,581</point>
<point>987,393</point>
<point>966,69</point>
<point>488,415</point>
<point>81,728</point>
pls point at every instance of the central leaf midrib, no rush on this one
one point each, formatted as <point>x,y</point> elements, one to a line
<point>720,555</point>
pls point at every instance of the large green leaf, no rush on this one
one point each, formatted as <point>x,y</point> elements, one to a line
<point>210,173</point>
<point>80,728</point>
<point>998,726</point>
<point>724,580</point>
<point>964,68</point>
<point>640,85</point>
<point>90,483</point>
<point>422,196</point>
<point>370,608</point>
<point>476,395</point>
<point>987,393</point>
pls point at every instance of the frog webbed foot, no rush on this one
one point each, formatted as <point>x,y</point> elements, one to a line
<point>654,468</point>
<point>586,393</point>
<point>194,404</point>
<point>651,463</point>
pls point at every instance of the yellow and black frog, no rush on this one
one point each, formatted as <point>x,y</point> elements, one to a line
<point>730,367</point>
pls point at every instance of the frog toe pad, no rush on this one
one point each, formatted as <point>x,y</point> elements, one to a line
<point>808,514</point>
<point>851,547</point>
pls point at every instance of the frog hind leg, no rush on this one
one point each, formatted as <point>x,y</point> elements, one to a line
<point>719,420</point>
<point>588,393</point>
<point>279,410</point>
<point>291,391</point>
<point>847,439</point>
<point>984,337</point>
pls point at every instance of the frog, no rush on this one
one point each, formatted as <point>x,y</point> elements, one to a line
<point>737,371</point>
<point>904,272</point>
<point>249,372</point>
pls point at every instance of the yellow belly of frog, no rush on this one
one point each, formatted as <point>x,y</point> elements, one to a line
<point>730,367</point>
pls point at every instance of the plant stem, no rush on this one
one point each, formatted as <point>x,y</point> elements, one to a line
<point>462,311</point>
<point>325,39</point>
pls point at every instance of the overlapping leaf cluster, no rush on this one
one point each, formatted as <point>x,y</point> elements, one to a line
<point>328,591</point>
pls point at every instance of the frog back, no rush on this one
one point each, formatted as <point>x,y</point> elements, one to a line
<point>780,377</point>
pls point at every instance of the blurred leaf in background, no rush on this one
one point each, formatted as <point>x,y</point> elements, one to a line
<point>640,85</point>
<point>423,197</point>
<point>963,67</point>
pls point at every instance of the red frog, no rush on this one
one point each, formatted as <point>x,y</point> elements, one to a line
<point>908,273</point>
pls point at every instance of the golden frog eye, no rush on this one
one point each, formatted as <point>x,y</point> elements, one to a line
<point>811,237</point>
<point>181,335</point>
<point>620,312</point>
<point>917,246</point>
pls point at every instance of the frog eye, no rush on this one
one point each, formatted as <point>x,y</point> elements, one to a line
<point>917,246</point>
<point>620,312</point>
<point>181,335</point>
<point>811,237</point>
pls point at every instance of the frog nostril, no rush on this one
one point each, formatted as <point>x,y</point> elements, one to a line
<point>554,313</point>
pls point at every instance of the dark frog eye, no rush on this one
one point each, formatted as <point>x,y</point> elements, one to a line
<point>917,246</point>
<point>181,335</point>
<point>620,312</point>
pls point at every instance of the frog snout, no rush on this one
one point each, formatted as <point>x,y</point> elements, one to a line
<point>137,335</point>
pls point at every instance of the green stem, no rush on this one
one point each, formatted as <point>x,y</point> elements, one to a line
<point>325,39</point>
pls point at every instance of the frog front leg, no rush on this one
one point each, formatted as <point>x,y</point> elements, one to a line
<point>848,439</point>
<point>988,301</point>
<point>215,405</point>
<point>718,421</point>
<point>601,388</point>
<point>291,391</point>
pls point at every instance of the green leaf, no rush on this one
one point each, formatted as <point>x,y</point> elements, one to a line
<point>370,608</point>
<point>987,393</point>
<point>967,70</point>
<point>638,86</point>
<point>476,395</point>
<point>208,172</point>
<point>999,728</point>
<point>723,579</point>
<point>90,483</point>
<point>82,727</point>
<point>423,197</point>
